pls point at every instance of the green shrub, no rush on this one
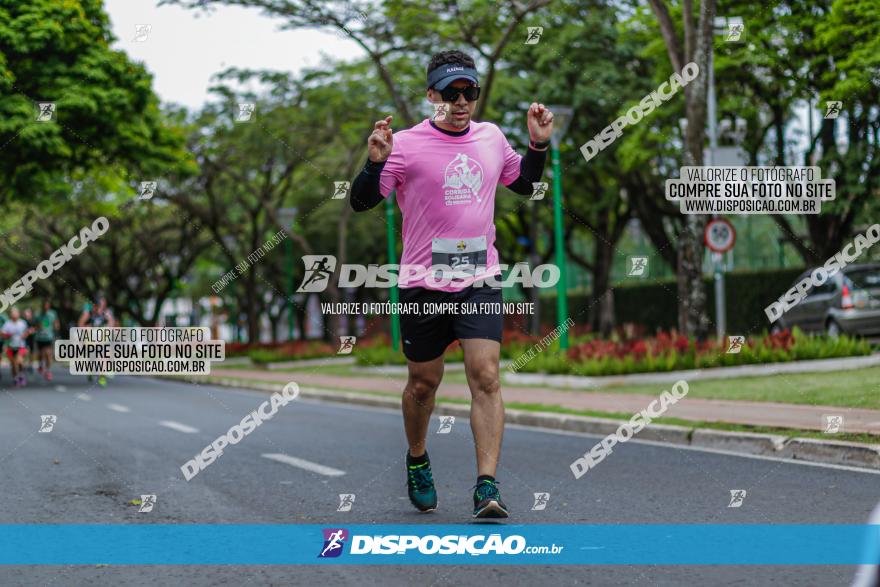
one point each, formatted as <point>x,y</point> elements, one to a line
<point>292,351</point>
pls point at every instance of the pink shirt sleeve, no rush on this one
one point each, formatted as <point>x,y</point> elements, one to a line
<point>512,159</point>
<point>394,173</point>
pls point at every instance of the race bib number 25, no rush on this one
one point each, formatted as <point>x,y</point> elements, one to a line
<point>465,257</point>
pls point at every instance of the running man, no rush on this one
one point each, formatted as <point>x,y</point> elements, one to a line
<point>28,316</point>
<point>97,315</point>
<point>48,325</point>
<point>15,331</point>
<point>3,320</point>
<point>445,173</point>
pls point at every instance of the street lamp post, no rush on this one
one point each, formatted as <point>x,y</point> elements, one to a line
<point>561,120</point>
<point>286,216</point>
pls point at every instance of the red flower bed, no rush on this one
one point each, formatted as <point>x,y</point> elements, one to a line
<point>638,348</point>
<point>780,340</point>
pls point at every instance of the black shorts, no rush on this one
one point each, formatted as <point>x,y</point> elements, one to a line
<point>426,335</point>
<point>42,344</point>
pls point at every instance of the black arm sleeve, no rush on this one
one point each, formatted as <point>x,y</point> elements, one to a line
<point>365,188</point>
<point>531,168</point>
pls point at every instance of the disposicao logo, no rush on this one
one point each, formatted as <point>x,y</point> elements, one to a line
<point>334,540</point>
<point>450,545</point>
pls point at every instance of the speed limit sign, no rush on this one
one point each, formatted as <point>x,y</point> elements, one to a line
<point>719,235</point>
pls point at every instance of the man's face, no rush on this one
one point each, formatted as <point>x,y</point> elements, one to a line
<point>459,112</point>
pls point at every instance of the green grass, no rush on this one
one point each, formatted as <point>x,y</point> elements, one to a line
<point>225,366</point>
<point>347,370</point>
<point>857,388</point>
<point>536,407</point>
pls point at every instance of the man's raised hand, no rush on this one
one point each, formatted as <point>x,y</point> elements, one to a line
<point>540,123</point>
<point>380,142</point>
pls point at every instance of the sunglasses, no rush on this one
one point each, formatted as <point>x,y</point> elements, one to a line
<point>450,94</point>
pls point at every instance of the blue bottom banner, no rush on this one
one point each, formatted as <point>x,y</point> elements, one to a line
<point>588,544</point>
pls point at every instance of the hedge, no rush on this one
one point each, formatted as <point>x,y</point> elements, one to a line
<point>654,304</point>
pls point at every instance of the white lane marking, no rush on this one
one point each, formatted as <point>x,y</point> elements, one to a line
<point>178,426</point>
<point>717,451</point>
<point>61,388</point>
<point>303,464</point>
<point>84,397</point>
<point>118,408</point>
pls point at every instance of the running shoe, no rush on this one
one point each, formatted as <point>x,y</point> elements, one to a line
<point>420,486</point>
<point>487,500</point>
<point>48,375</point>
<point>102,381</point>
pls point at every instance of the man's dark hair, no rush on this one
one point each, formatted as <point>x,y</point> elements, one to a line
<point>445,57</point>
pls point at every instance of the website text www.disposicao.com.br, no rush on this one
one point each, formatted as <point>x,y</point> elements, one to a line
<point>450,544</point>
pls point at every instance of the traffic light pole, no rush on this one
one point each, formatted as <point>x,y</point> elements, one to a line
<point>562,285</point>
<point>288,255</point>
<point>392,259</point>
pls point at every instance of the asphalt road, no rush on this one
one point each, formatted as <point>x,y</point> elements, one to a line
<point>110,445</point>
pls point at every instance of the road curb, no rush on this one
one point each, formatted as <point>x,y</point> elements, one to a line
<point>745,442</point>
<point>866,456</point>
<point>831,451</point>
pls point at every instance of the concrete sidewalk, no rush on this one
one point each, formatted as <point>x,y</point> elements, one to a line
<point>774,415</point>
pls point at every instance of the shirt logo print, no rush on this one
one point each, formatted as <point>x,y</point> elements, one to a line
<point>463,179</point>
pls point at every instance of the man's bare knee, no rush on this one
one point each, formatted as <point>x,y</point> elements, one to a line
<point>485,380</point>
<point>422,386</point>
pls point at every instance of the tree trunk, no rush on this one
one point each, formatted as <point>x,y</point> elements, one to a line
<point>273,321</point>
<point>692,319</point>
<point>300,312</point>
<point>334,329</point>
<point>602,312</point>
<point>252,310</point>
